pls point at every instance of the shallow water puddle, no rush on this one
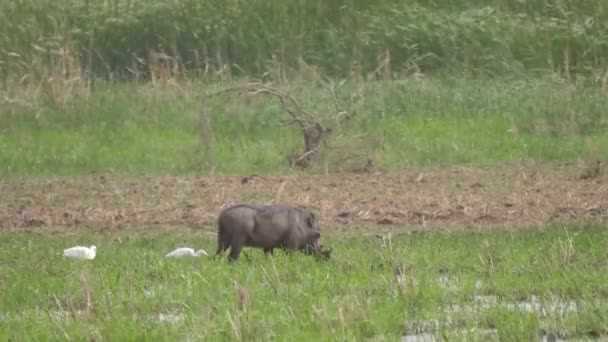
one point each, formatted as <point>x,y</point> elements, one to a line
<point>432,330</point>
<point>166,317</point>
<point>486,334</point>
<point>532,304</point>
<point>483,335</point>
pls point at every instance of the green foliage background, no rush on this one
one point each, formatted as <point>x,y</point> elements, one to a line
<point>490,36</point>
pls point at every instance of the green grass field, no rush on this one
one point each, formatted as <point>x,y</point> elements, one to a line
<point>510,285</point>
<point>132,129</point>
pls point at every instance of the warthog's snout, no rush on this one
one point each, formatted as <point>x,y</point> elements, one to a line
<point>324,252</point>
<point>318,250</point>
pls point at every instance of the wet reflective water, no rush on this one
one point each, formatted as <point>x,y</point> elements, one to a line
<point>431,330</point>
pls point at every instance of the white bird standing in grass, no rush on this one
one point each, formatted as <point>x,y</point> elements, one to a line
<point>184,252</point>
<point>80,252</point>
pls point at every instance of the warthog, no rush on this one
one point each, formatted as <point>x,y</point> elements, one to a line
<point>268,227</point>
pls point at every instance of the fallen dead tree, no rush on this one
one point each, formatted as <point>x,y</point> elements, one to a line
<point>311,125</point>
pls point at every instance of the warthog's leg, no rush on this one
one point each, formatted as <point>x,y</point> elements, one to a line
<point>268,251</point>
<point>290,244</point>
<point>236,245</point>
<point>221,247</point>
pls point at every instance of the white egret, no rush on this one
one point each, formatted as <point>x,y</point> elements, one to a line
<point>80,252</point>
<point>185,252</point>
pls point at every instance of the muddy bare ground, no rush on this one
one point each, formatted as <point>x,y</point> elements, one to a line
<point>416,199</point>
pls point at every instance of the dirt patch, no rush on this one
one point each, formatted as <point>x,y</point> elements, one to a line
<point>433,198</point>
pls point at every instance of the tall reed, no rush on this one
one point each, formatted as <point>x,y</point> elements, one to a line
<point>117,38</point>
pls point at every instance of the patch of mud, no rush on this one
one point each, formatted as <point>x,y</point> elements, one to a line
<point>502,196</point>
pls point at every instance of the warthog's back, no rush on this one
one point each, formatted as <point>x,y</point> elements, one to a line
<point>266,211</point>
<point>236,215</point>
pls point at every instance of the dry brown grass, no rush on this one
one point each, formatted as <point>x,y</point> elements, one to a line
<point>64,80</point>
<point>432,198</point>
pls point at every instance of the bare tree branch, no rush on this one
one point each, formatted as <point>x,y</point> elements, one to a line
<point>306,154</point>
<point>312,128</point>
